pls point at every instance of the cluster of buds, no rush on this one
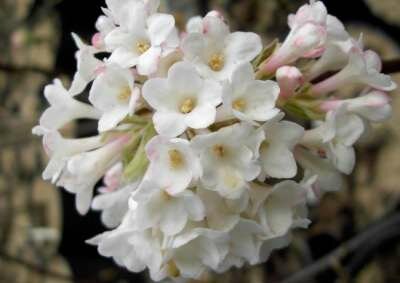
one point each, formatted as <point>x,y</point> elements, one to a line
<point>201,170</point>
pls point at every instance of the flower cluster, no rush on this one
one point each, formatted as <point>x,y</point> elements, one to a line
<point>200,168</point>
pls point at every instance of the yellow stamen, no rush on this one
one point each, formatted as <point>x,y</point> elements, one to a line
<point>166,196</point>
<point>125,94</point>
<point>142,46</point>
<point>217,62</point>
<point>172,269</point>
<point>219,150</point>
<point>187,105</point>
<point>239,104</point>
<point>175,159</point>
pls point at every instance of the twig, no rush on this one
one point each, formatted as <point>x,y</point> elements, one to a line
<point>370,235</point>
<point>35,267</point>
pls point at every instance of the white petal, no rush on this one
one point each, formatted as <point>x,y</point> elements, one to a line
<point>278,161</point>
<point>201,117</point>
<point>148,61</point>
<point>169,124</point>
<point>111,119</point>
<point>243,46</point>
<point>183,78</point>
<point>156,93</point>
<point>160,26</point>
<point>173,217</point>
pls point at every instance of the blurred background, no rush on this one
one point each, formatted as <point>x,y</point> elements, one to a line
<point>355,233</point>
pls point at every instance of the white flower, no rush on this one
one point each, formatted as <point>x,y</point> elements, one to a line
<point>307,36</point>
<point>140,40</point>
<point>245,244</point>
<point>104,25</point>
<point>221,214</point>
<point>88,66</point>
<point>228,162</point>
<point>249,99</point>
<point>120,10</point>
<point>328,177</point>
<point>285,208</point>
<point>335,57</point>
<point>131,248</point>
<point>173,164</point>
<point>289,79</point>
<point>196,249</point>
<point>84,170</point>
<point>276,155</point>
<point>182,100</point>
<point>157,208</point>
<point>60,150</point>
<point>374,106</point>
<point>63,108</point>
<point>114,93</point>
<point>215,51</point>
<point>114,204</point>
<point>336,137</point>
<point>362,68</point>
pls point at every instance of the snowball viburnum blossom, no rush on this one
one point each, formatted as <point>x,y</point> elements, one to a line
<point>183,100</point>
<point>141,40</point>
<point>193,130</point>
<point>214,50</point>
<point>115,95</point>
<point>173,164</point>
<point>249,99</point>
<point>228,163</point>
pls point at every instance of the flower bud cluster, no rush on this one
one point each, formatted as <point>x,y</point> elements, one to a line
<point>196,157</point>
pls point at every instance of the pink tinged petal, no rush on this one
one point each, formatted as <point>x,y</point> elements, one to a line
<point>243,46</point>
<point>154,146</point>
<point>372,60</point>
<point>160,27</point>
<point>289,79</point>
<point>169,124</point>
<point>215,27</point>
<point>149,61</point>
<point>201,117</point>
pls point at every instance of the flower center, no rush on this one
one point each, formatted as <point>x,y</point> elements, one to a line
<point>187,105</point>
<point>219,150</point>
<point>142,46</point>
<point>175,158</point>
<point>172,269</point>
<point>239,104</point>
<point>125,94</point>
<point>216,62</point>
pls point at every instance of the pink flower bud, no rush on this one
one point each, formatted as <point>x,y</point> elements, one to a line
<point>97,41</point>
<point>289,79</point>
